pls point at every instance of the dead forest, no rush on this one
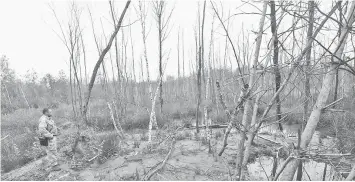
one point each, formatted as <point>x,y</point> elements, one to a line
<point>263,91</point>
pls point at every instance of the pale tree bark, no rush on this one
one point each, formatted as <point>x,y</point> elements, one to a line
<point>337,71</point>
<point>199,71</point>
<point>232,117</point>
<point>253,122</point>
<point>287,78</point>
<point>351,175</point>
<point>307,87</point>
<point>153,118</point>
<point>259,94</point>
<point>7,94</point>
<point>120,130</point>
<point>101,58</point>
<point>24,97</point>
<point>208,101</point>
<point>248,103</point>
<point>313,120</point>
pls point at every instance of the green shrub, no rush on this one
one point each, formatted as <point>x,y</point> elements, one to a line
<point>110,147</point>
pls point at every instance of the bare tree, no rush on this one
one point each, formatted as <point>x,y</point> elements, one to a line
<point>276,59</point>
<point>248,104</point>
<point>162,19</point>
<point>332,65</point>
<point>101,58</point>
<point>208,102</point>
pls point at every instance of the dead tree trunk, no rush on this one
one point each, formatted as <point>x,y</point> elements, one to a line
<point>248,103</point>
<point>275,61</point>
<point>337,71</point>
<point>199,70</point>
<point>283,85</point>
<point>24,97</point>
<point>153,119</point>
<point>307,87</point>
<point>101,58</point>
<point>208,100</point>
<point>323,94</point>
<point>159,8</point>
<point>7,94</point>
<point>143,15</point>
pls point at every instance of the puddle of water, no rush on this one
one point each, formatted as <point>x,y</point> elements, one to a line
<point>313,171</point>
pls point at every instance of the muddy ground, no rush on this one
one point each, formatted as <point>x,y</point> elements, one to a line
<point>190,160</point>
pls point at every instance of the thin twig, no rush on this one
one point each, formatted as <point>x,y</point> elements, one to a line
<point>263,170</point>
<point>283,167</point>
<point>158,168</point>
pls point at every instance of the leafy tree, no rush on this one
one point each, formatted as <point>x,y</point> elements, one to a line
<point>7,74</point>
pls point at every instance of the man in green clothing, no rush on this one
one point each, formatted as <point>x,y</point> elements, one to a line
<point>48,132</point>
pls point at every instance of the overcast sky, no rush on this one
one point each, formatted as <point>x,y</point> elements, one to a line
<point>28,38</point>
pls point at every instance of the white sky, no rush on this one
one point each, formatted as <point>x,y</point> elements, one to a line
<point>28,38</point>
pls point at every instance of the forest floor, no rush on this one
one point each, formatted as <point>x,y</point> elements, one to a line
<point>190,160</point>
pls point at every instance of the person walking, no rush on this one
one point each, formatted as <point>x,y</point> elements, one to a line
<point>48,139</point>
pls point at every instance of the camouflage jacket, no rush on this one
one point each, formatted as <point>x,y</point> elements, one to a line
<point>47,127</point>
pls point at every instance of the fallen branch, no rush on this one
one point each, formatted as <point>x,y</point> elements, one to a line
<point>351,176</point>
<point>339,155</point>
<point>269,140</point>
<point>333,110</point>
<point>216,126</point>
<point>98,153</point>
<point>5,137</point>
<point>161,166</point>
<point>331,104</point>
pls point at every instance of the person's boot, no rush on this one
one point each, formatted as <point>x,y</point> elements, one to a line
<point>44,164</point>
